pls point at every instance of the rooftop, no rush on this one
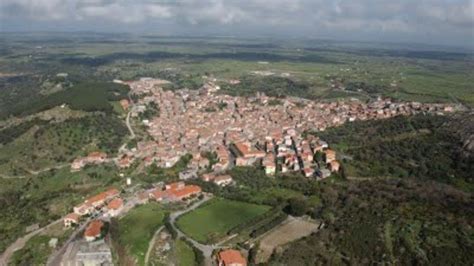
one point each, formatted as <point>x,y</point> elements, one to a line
<point>94,228</point>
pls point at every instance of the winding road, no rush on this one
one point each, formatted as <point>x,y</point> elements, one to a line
<point>205,249</point>
<point>151,244</point>
<point>20,243</point>
<point>56,257</point>
<point>127,121</point>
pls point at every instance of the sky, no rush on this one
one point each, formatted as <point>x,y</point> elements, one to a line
<point>439,22</point>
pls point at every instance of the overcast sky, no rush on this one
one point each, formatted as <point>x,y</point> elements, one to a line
<point>423,21</point>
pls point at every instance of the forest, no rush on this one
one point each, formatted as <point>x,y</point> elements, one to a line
<point>423,147</point>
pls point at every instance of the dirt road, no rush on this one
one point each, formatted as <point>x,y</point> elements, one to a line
<point>20,243</point>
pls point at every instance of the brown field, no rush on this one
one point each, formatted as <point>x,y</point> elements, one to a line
<point>290,230</point>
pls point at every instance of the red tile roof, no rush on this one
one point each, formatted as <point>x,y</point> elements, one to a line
<point>112,192</point>
<point>103,196</point>
<point>174,186</point>
<point>93,229</point>
<point>158,194</point>
<point>231,257</point>
<point>72,216</point>
<point>97,155</point>
<point>115,204</point>
<point>185,191</point>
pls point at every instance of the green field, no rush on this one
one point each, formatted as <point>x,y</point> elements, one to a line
<point>184,253</point>
<point>136,229</point>
<point>213,220</point>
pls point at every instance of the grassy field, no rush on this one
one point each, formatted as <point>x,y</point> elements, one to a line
<point>212,221</point>
<point>136,229</point>
<point>184,254</point>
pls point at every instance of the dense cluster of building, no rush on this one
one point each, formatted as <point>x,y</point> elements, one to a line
<point>245,130</point>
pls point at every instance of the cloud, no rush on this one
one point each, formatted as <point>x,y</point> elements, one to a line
<point>438,18</point>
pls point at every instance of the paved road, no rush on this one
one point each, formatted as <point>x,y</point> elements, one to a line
<point>132,134</point>
<point>205,249</point>
<point>56,257</point>
<point>20,243</point>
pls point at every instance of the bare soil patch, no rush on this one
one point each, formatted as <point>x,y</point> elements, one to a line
<point>290,230</point>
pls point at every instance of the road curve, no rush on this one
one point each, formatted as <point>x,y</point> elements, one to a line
<point>205,249</point>
<point>20,243</point>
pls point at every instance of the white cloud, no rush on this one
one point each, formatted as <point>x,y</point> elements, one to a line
<point>438,17</point>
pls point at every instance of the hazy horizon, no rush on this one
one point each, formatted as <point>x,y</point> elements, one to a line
<point>447,23</point>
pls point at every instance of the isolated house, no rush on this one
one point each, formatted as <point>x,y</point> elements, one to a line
<point>71,219</point>
<point>223,180</point>
<point>182,193</point>
<point>114,207</point>
<point>125,104</point>
<point>175,192</point>
<point>92,158</point>
<point>93,230</point>
<point>231,257</point>
<point>330,155</point>
<point>334,166</point>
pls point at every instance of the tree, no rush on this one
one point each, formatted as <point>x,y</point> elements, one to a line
<point>318,156</point>
<point>297,206</point>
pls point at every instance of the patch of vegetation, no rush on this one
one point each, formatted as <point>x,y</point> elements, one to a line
<point>45,145</point>
<point>152,110</point>
<point>47,197</point>
<point>158,174</point>
<point>270,85</point>
<point>35,252</point>
<point>134,231</point>
<point>212,221</point>
<point>418,146</point>
<point>86,96</point>
<point>9,134</point>
<point>388,222</point>
<point>184,253</point>
<point>274,102</point>
<point>362,86</point>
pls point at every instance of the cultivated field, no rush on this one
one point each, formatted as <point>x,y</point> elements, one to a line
<point>136,229</point>
<point>290,230</point>
<point>212,221</point>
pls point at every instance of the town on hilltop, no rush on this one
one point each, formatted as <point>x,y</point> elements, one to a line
<point>278,134</point>
<point>219,132</point>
